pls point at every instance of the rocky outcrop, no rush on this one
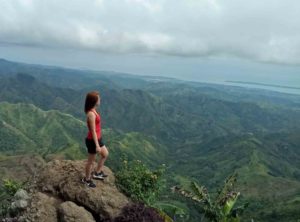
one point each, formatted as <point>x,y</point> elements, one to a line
<point>43,208</point>
<point>56,194</point>
<point>59,195</point>
<point>70,212</point>
<point>20,200</point>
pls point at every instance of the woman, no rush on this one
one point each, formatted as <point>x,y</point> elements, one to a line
<point>93,140</point>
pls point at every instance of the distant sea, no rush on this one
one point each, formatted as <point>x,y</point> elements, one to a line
<point>279,88</point>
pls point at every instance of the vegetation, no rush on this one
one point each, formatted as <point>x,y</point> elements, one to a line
<point>201,131</point>
<point>138,212</point>
<point>8,188</point>
<point>144,185</point>
<point>139,182</point>
<point>221,208</point>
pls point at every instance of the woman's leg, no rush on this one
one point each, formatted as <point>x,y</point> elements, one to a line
<point>104,154</point>
<point>89,165</point>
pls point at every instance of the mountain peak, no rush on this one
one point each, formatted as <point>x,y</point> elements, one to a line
<point>58,192</point>
<point>3,60</point>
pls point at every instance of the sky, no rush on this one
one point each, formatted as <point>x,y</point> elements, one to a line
<point>201,40</point>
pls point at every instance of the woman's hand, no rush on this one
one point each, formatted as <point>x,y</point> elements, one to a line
<point>98,149</point>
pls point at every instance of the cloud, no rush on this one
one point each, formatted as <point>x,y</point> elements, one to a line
<point>266,31</point>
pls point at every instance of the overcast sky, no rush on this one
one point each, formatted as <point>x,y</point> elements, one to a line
<point>196,39</point>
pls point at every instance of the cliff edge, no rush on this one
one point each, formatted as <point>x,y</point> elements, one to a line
<point>59,195</point>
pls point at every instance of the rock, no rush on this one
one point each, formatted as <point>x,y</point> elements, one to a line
<point>45,208</point>
<point>70,212</point>
<point>10,220</point>
<point>56,194</point>
<point>21,195</point>
<point>19,205</point>
<point>20,201</point>
<point>62,179</point>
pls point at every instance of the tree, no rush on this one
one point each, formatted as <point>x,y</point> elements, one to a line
<point>221,208</point>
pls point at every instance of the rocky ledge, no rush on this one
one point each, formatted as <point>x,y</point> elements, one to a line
<point>59,195</point>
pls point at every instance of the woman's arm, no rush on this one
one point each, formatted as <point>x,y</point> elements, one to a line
<point>91,125</point>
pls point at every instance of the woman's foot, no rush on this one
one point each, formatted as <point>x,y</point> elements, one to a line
<point>88,183</point>
<point>103,174</point>
<point>99,176</point>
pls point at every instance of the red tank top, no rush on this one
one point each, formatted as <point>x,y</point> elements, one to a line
<point>97,125</point>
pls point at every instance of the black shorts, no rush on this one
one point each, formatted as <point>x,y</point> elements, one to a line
<point>91,146</point>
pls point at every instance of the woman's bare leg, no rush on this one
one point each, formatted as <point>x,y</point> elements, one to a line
<point>104,154</point>
<point>89,165</point>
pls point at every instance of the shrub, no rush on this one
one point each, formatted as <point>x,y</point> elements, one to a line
<point>138,212</point>
<point>11,186</point>
<point>139,182</point>
<point>221,208</point>
<point>7,191</point>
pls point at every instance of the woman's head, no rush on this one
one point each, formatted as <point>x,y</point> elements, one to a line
<point>92,99</point>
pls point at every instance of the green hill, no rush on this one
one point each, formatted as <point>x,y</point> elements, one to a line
<point>202,132</point>
<point>26,129</point>
<point>173,116</point>
<point>25,88</point>
<point>267,166</point>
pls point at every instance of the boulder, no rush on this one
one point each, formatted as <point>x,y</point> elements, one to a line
<point>20,201</point>
<point>70,212</point>
<point>43,208</point>
<point>61,178</point>
<point>21,195</point>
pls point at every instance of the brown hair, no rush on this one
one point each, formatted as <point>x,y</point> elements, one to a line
<point>91,100</point>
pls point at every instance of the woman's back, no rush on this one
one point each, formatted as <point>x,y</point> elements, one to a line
<point>97,125</point>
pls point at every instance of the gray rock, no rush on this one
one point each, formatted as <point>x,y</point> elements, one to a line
<point>21,195</point>
<point>18,206</point>
<point>21,204</point>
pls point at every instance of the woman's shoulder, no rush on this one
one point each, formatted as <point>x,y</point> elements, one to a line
<point>92,112</point>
